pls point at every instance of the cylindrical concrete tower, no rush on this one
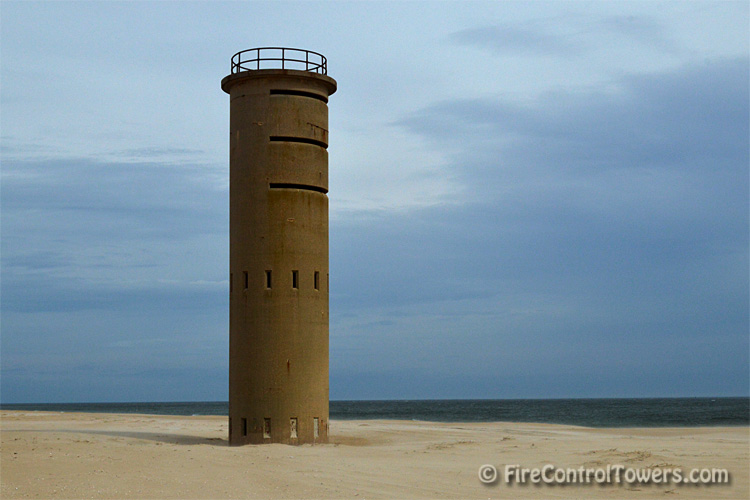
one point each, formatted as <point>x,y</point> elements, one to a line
<point>278,246</point>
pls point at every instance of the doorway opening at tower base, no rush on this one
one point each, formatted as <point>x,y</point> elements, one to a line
<point>266,428</point>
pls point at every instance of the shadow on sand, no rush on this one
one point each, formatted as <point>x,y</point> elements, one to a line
<point>166,438</point>
<point>159,437</point>
<point>187,440</point>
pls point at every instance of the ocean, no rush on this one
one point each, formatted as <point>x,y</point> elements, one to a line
<point>648,412</point>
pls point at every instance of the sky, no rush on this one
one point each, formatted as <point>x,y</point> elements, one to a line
<point>527,199</point>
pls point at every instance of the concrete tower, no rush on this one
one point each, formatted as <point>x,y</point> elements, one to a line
<point>278,246</point>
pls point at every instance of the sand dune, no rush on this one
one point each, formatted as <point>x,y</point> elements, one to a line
<point>77,455</point>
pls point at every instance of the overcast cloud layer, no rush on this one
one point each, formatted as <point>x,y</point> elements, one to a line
<point>527,199</point>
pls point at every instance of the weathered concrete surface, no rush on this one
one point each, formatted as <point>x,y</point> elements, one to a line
<point>278,223</point>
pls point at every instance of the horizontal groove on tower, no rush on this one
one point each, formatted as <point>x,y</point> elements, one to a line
<point>303,140</point>
<point>300,93</point>
<point>288,185</point>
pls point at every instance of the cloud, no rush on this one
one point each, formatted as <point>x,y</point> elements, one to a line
<point>596,226</point>
<point>81,233</point>
<point>568,35</point>
<point>159,152</point>
<point>102,255</point>
<point>692,119</point>
<point>636,26</point>
<point>514,39</point>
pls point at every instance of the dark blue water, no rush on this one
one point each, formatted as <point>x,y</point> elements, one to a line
<point>652,412</point>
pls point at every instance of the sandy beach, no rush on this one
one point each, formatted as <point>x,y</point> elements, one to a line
<point>81,455</point>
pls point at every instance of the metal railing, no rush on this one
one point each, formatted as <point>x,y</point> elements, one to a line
<point>279,58</point>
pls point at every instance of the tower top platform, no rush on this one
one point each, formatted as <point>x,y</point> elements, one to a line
<point>279,58</point>
<point>279,63</point>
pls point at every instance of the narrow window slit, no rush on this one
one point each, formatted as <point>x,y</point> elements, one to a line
<point>300,93</point>
<point>288,185</point>
<point>316,280</point>
<point>302,140</point>
<point>266,428</point>
<point>244,273</point>
<point>268,279</point>
<point>244,426</point>
<point>295,279</point>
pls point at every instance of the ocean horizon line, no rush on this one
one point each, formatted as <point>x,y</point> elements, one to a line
<point>218,401</point>
<point>588,412</point>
